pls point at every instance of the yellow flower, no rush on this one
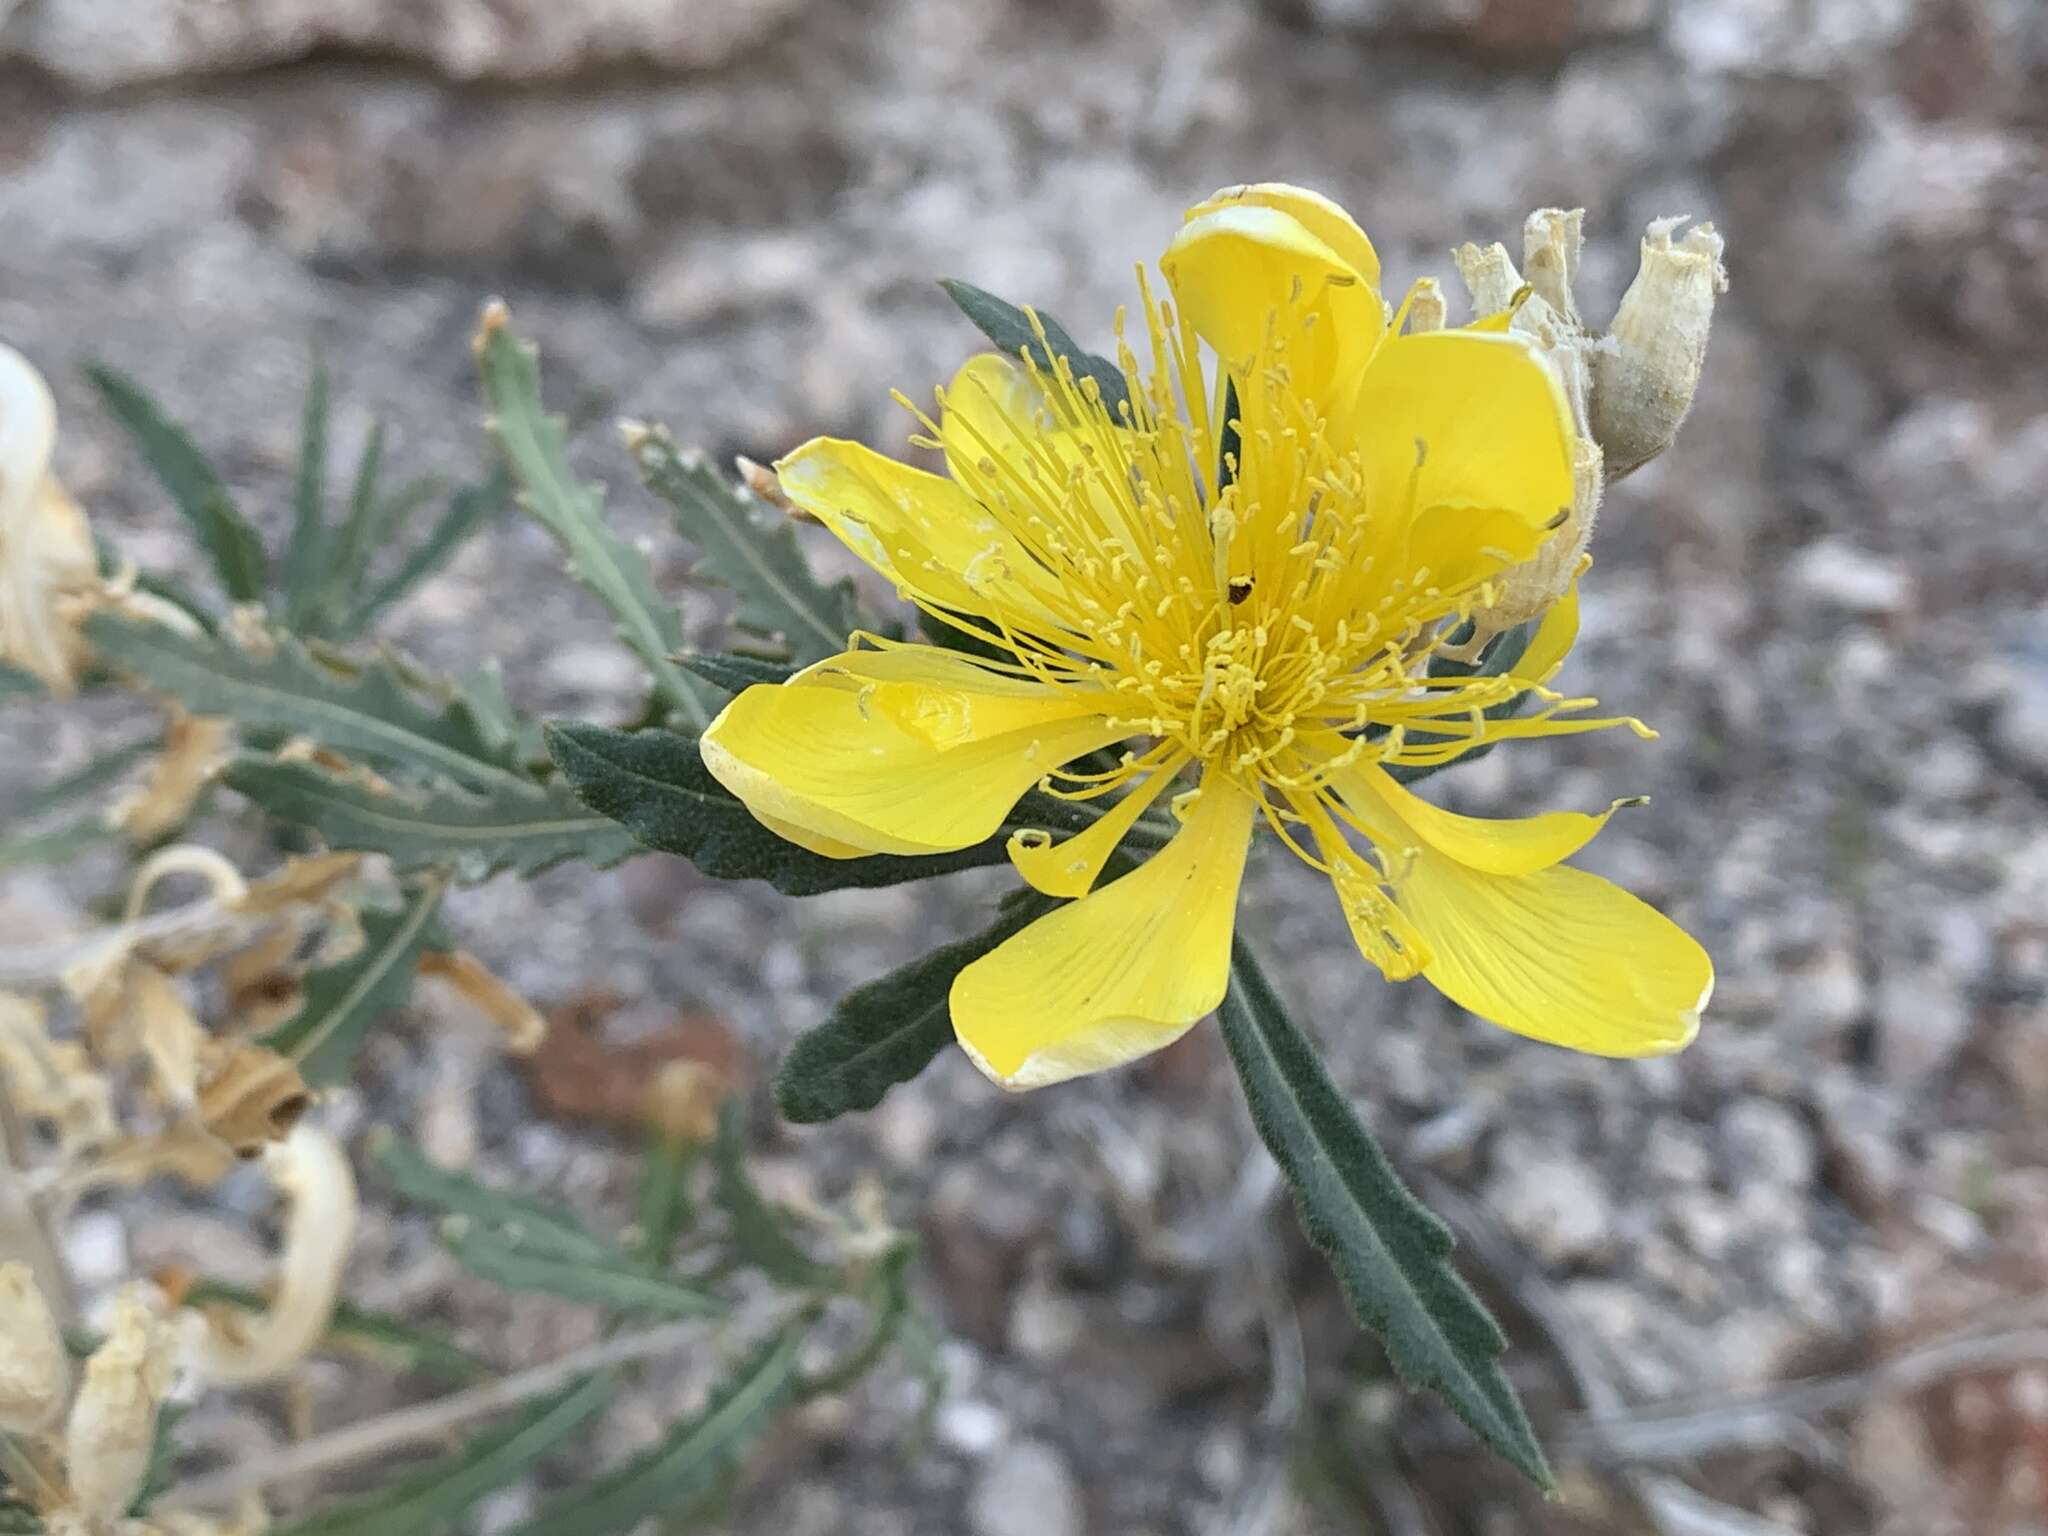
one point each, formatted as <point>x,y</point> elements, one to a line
<point>1267,628</point>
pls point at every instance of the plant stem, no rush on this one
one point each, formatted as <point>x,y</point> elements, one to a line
<point>428,1421</point>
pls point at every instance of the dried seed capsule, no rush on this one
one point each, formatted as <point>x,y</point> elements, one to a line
<point>1644,377</point>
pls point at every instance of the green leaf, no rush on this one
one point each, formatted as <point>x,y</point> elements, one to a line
<point>573,513</point>
<point>691,1460</point>
<point>403,1345</point>
<point>163,1456</point>
<point>230,542</point>
<point>341,1001</point>
<point>524,828</point>
<point>541,1227</point>
<point>363,711</point>
<point>18,683</point>
<point>887,1294</point>
<point>759,1235</point>
<point>888,1031</point>
<point>735,674</point>
<point>427,1502</point>
<point>1010,328</point>
<point>467,511</point>
<point>759,561</point>
<point>1390,1252</point>
<point>656,785</point>
<point>663,1206</point>
<point>618,1284</point>
<point>305,555</point>
<point>56,845</point>
<point>18,1519</point>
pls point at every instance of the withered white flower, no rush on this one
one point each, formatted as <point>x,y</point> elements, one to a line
<point>111,1432</point>
<point>310,1171</point>
<point>46,550</point>
<point>35,1371</point>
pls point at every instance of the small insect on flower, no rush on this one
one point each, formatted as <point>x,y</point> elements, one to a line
<point>1242,563</point>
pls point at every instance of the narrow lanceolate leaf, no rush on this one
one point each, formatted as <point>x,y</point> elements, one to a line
<point>888,1031</point>
<point>615,572</point>
<point>467,511</point>
<point>734,674</point>
<point>692,1459</point>
<point>759,1235</point>
<point>523,828</point>
<point>342,1000</point>
<point>617,1285</point>
<point>887,1294</point>
<point>304,555</point>
<point>758,559</point>
<point>656,785</point>
<point>543,1228</point>
<point>1390,1252</point>
<point>427,1502</point>
<point>1010,328</point>
<point>230,542</point>
<point>363,712</point>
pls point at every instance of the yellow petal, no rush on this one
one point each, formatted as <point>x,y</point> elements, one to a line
<point>1121,972</point>
<point>1558,955</point>
<point>1510,846</point>
<point>948,699</point>
<point>817,761</point>
<point>1247,275</point>
<point>1467,438</point>
<point>920,530</point>
<point>1555,636</point>
<point>1071,867</point>
<point>1314,212</point>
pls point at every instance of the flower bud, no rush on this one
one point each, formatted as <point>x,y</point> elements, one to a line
<point>111,1434</point>
<point>1643,379</point>
<point>35,1372</point>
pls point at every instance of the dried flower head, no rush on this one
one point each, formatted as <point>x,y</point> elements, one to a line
<point>35,1371</point>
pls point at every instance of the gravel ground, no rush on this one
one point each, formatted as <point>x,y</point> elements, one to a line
<point>725,215</point>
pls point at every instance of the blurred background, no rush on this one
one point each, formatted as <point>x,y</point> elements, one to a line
<point>727,215</point>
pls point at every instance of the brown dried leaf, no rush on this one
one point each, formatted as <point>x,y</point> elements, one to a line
<point>579,1075</point>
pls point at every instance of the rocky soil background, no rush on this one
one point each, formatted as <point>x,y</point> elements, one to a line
<point>726,215</point>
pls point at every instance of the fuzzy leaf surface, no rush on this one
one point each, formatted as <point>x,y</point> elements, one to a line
<point>1011,330</point>
<point>1390,1252</point>
<point>888,1031</point>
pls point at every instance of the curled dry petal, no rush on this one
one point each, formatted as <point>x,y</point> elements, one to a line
<point>252,1097</point>
<point>309,1170</point>
<point>53,1082</point>
<point>35,1371</point>
<point>194,748</point>
<point>45,548</point>
<point>518,1021</point>
<point>112,1429</point>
